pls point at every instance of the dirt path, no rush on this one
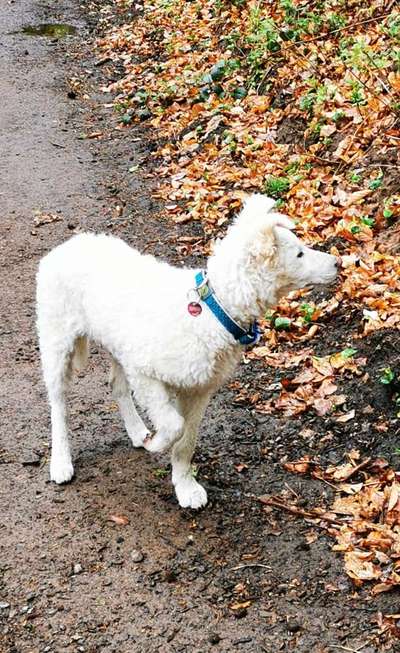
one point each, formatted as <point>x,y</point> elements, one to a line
<point>230,578</point>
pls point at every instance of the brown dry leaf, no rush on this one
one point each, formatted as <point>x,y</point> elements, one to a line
<point>323,406</point>
<point>239,605</point>
<point>326,388</point>
<point>346,417</point>
<point>307,433</point>
<point>298,466</point>
<point>358,566</point>
<point>323,366</point>
<point>121,520</point>
<point>379,588</point>
<point>328,130</point>
<point>41,219</point>
<point>394,496</point>
<point>394,80</point>
<point>350,488</point>
<point>311,537</point>
<point>349,199</point>
<point>306,376</point>
<point>94,135</point>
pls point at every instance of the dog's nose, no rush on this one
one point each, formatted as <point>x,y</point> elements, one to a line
<point>338,262</point>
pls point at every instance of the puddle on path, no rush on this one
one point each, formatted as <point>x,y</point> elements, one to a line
<point>51,30</point>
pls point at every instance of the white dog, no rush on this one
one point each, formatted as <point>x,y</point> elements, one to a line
<point>175,335</point>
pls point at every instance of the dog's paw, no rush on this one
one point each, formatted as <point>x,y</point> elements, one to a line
<point>156,443</point>
<point>165,437</point>
<point>61,471</point>
<point>139,437</point>
<point>190,494</point>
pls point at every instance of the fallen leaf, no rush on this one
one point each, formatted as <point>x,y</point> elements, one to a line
<point>359,566</point>
<point>346,417</point>
<point>241,467</point>
<point>299,466</point>
<point>121,520</point>
<point>41,219</point>
<point>240,605</point>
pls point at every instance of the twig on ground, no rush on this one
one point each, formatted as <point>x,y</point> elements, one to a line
<point>299,511</point>
<point>251,564</point>
<point>349,650</point>
<point>356,469</point>
<point>292,491</point>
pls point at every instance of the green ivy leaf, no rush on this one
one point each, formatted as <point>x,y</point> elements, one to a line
<point>282,323</point>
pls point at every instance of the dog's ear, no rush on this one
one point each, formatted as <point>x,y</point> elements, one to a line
<point>257,205</point>
<point>259,208</point>
<point>280,220</point>
<point>265,247</point>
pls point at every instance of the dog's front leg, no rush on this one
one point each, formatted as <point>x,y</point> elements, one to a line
<point>155,398</point>
<point>189,492</point>
<point>134,425</point>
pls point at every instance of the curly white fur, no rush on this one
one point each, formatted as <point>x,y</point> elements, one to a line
<point>96,287</point>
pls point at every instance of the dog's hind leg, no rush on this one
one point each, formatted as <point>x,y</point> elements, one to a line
<point>154,396</point>
<point>56,361</point>
<point>136,428</point>
<point>189,492</point>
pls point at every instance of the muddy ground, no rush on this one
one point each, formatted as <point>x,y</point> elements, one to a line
<point>70,578</point>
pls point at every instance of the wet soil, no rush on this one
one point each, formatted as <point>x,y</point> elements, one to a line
<point>230,578</point>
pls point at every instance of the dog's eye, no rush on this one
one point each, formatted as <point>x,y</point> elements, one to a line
<point>300,254</point>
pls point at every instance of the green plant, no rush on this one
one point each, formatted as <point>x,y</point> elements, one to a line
<point>376,183</point>
<point>335,21</point>
<point>338,115</point>
<point>348,352</point>
<point>357,96</point>
<point>355,178</point>
<point>391,379</point>
<point>282,323</point>
<point>263,33</point>
<point>239,92</point>
<point>262,38</point>
<point>307,311</point>
<point>387,377</point>
<point>276,186</point>
<point>160,472</point>
<point>368,221</point>
<point>293,167</point>
<point>393,26</point>
<point>317,95</point>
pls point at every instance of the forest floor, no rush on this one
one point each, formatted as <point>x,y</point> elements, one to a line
<point>110,562</point>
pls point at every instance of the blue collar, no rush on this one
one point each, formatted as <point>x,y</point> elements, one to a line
<point>207,295</point>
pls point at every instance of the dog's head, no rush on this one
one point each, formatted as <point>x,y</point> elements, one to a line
<point>275,250</point>
<point>270,259</point>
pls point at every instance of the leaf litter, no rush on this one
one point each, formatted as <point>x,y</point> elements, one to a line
<point>364,518</point>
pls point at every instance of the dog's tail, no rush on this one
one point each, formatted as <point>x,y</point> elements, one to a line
<point>80,355</point>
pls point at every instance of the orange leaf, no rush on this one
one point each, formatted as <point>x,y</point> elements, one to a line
<point>121,520</point>
<point>301,466</point>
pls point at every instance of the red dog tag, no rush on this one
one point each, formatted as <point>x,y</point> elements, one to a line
<point>194,308</point>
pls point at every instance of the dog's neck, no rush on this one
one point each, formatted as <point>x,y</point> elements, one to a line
<point>236,290</point>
